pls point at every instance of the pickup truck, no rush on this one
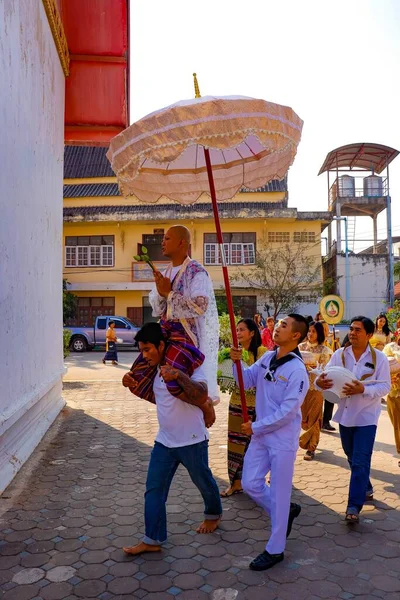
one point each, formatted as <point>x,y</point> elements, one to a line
<point>86,338</point>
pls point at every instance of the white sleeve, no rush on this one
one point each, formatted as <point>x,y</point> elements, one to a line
<point>250,374</point>
<point>158,303</point>
<point>378,390</point>
<point>335,361</point>
<point>296,390</point>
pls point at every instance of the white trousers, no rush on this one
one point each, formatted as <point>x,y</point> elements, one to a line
<point>274,498</point>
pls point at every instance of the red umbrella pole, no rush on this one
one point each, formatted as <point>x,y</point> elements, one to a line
<point>226,281</point>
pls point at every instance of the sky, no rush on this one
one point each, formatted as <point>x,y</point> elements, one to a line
<point>335,63</point>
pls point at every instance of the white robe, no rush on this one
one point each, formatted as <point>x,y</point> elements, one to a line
<point>192,302</point>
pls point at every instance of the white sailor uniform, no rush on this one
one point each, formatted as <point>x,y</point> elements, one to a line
<point>275,439</point>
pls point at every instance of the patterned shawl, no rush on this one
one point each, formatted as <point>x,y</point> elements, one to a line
<point>180,353</point>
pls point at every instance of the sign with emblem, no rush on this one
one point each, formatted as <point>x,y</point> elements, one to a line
<point>332,309</point>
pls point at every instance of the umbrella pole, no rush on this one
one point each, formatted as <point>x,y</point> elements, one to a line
<point>226,281</point>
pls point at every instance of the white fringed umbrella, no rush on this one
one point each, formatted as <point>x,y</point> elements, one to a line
<point>210,145</point>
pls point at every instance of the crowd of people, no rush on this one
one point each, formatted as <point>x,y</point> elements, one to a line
<point>286,371</point>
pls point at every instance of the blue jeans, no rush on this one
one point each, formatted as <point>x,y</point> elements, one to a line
<point>162,468</point>
<point>358,443</point>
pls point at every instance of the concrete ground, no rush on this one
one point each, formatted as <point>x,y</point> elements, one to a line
<point>79,499</point>
<point>88,366</point>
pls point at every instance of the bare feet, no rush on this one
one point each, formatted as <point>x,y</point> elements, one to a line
<point>140,548</point>
<point>208,526</point>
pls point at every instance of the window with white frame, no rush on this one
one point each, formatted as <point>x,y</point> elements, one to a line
<point>239,248</point>
<point>278,236</point>
<point>89,251</point>
<point>304,236</point>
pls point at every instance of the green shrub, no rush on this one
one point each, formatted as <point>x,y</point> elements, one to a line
<point>66,341</point>
<point>225,335</point>
<point>393,314</point>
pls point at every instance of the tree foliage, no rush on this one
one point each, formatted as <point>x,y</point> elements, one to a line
<point>70,302</point>
<point>284,274</point>
<point>225,335</point>
<point>396,271</point>
<point>393,315</point>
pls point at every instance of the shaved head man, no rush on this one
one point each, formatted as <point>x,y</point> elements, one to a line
<point>184,292</point>
<point>176,243</point>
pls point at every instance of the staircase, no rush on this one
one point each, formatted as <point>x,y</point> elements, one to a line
<point>351,233</point>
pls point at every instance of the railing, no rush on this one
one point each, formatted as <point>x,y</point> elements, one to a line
<point>358,192</point>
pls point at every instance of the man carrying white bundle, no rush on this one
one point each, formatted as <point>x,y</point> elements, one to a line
<point>359,410</point>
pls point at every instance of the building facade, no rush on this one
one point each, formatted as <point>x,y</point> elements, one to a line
<point>103,231</point>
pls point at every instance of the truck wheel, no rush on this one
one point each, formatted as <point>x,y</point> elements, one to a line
<point>79,344</point>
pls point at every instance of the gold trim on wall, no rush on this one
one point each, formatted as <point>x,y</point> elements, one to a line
<point>57,29</point>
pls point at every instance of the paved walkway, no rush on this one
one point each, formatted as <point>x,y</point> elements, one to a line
<point>79,499</point>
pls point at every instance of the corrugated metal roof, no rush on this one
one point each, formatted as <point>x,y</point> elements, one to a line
<point>91,161</point>
<point>84,190</point>
<point>86,161</point>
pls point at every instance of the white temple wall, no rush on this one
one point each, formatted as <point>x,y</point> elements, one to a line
<point>31,182</point>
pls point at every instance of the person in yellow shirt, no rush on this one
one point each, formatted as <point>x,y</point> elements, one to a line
<point>111,344</point>
<point>382,334</point>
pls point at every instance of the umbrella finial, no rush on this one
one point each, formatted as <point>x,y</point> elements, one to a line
<point>196,87</point>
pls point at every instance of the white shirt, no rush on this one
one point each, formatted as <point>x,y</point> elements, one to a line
<point>362,409</point>
<point>278,403</point>
<point>180,424</point>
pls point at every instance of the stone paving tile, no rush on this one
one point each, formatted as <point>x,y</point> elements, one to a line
<point>64,525</point>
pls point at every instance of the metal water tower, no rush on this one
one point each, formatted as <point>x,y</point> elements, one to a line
<point>356,188</point>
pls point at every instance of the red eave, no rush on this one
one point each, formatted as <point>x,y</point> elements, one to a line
<point>97,89</point>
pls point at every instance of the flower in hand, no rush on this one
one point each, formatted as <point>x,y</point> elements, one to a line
<point>163,284</point>
<point>144,257</point>
<point>246,428</point>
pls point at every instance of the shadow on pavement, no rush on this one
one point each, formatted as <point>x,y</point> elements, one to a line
<point>63,536</point>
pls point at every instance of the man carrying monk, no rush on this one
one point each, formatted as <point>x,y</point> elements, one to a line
<point>184,298</point>
<point>281,381</point>
<point>182,437</point>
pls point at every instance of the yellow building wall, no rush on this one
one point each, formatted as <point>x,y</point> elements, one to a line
<point>127,235</point>
<point>123,299</point>
<point>248,197</point>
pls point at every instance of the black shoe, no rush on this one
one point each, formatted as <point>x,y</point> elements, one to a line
<point>295,510</point>
<point>265,561</point>
<point>328,427</point>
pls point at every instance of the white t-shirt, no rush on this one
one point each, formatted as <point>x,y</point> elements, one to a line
<point>180,424</point>
<point>173,272</point>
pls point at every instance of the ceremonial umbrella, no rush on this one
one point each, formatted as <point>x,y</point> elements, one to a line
<point>206,145</point>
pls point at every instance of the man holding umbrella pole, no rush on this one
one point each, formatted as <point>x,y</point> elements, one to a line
<point>281,382</point>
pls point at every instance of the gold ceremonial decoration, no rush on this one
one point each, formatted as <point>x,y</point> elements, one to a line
<point>332,309</point>
<point>196,87</point>
<point>57,30</point>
